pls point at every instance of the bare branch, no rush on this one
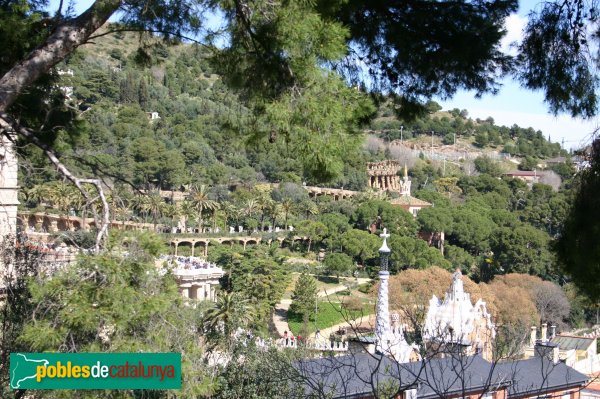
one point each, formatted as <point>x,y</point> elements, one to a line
<point>8,125</point>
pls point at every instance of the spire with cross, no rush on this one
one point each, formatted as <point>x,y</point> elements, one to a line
<point>384,251</point>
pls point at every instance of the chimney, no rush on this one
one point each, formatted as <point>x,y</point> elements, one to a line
<point>552,332</point>
<point>548,350</point>
<point>544,332</point>
<point>533,336</point>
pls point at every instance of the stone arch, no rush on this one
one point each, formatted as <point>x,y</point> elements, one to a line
<point>31,221</point>
<point>62,224</point>
<point>76,225</point>
<point>46,224</point>
<point>184,248</point>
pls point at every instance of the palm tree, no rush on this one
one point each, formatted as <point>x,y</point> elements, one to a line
<point>232,212</point>
<point>229,312</point>
<point>274,211</point>
<point>155,205</point>
<point>309,208</point>
<point>187,211</point>
<point>214,216</point>
<point>264,204</point>
<point>202,202</point>
<point>36,194</point>
<point>287,206</point>
<point>171,211</point>
<point>140,203</point>
<point>62,195</point>
<point>250,207</point>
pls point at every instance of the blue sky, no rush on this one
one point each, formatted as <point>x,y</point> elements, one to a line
<point>513,105</point>
<point>523,107</point>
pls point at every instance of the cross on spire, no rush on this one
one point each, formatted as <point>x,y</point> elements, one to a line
<point>385,234</point>
<point>384,246</point>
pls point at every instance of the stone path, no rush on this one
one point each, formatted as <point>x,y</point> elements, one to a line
<point>280,316</point>
<point>367,320</point>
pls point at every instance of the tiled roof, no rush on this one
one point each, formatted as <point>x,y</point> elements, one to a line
<point>537,375</point>
<point>568,342</point>
<point>351,376</point>
<point>354,376</point>
<point>409,200</point>
<point>525,173</point>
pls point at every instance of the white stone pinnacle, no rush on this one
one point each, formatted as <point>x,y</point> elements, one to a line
<point>384,246</point>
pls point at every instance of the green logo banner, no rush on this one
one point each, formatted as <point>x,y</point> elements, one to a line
<point>95,370</point>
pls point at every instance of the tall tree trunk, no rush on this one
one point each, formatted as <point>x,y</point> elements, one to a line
<point>65,38</point>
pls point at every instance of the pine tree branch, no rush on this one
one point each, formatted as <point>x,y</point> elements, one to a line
<point>9,125</point>
<point>64,39</point>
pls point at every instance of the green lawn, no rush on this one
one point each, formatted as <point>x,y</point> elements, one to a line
<point>329,315</point>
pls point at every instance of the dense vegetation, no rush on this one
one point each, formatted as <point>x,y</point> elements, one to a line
<point>483,224</point>
<point>206,135</point>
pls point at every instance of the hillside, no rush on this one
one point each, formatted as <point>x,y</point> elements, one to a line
<point>174,123</point>
<point>203,134</point>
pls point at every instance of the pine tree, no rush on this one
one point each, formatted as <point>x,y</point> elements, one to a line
<point>304,298</point>
<point>143,97</point>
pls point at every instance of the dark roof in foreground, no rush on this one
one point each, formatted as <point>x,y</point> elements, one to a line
<point>356,375</point>
<point>537,374</point>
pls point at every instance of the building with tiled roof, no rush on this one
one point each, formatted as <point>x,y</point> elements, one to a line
<point>363,375</point>
<point>575,351</point>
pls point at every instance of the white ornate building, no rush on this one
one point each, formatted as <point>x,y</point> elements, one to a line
<point>389,338</point>
<point>455,321</point>
<point>197,279</point>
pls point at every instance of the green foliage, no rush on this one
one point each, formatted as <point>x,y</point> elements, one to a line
<point>360,245</point>
<point>523,249</point>
<point>304,298</point>
<point>229,312</point>
<point>414,253</point>
<point>395,219</point>
<point>113,303</point>
<point>435,219</point>
<point>528,163</point>
<point>256,373</point>
<point>337,264</point>
<point>577,247</point>
<point>256,276</point>
<point>486,165</point>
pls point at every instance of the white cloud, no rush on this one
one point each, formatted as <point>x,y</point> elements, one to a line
<point>514,25</point>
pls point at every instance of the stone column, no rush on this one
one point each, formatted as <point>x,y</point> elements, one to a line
<point>185,291</point>
<point>382,321</point>
<point>53,226</point>
<point>382,325</point>
<point>200,292</point>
